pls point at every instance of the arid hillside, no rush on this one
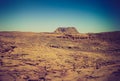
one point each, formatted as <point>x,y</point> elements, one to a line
<point>60,56</point>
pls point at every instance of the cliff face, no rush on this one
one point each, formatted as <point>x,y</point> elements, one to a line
<point>68,30</point>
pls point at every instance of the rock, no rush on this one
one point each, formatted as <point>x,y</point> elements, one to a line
<point>115,76</point>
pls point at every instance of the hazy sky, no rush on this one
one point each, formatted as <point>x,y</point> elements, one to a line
<point>47,15</point>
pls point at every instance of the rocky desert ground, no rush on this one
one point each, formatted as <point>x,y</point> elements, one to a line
<point>63,55</point>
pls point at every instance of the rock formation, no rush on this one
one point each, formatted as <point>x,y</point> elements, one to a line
<point>68,30</point>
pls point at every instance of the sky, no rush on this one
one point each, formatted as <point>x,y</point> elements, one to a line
<point>87,16</point>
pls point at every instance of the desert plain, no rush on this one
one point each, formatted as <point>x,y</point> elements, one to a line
<point>62,55</point>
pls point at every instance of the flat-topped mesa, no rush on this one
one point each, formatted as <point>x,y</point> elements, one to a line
<point>68,30</point>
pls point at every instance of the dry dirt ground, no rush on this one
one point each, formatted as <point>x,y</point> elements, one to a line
<point>27,56</point>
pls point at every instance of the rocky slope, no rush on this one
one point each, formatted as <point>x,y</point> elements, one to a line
<point>59,56</point>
